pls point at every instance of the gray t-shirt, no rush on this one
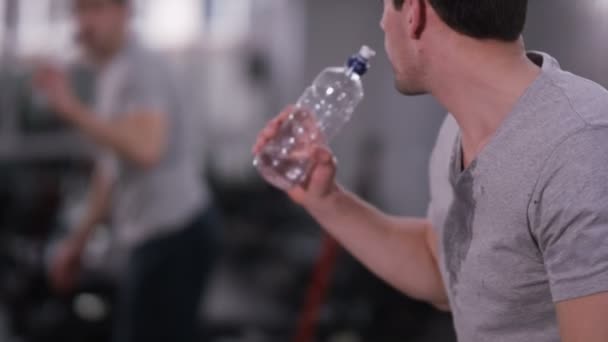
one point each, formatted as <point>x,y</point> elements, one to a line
<point>526,224</point>
<point>147,202</point>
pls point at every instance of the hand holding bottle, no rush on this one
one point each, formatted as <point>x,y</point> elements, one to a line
<point>321,182</point>
<point>285,158</point>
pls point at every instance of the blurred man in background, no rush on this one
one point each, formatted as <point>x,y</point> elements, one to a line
<point>144,182</point>
<point>516,240</point>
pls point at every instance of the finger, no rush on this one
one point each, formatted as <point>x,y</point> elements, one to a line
<point>321,178</point>
<point>286,112</point>
<point>269,132</point>
<point>297,195</point>
<point>323,172</point>
<point>275,124</point>
<point>272,128</point>
<point>259,140</point>
<point>259,145</point>
<point>262,139</point>
<point>283,116</point>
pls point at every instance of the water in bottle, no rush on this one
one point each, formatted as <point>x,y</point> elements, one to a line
<point>319,115</point>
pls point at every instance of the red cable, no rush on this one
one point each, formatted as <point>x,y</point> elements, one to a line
<point>317,291</point>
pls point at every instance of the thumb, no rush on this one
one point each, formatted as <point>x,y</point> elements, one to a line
<point>323,172</point>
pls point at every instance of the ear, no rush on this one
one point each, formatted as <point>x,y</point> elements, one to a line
<point>416,18</point>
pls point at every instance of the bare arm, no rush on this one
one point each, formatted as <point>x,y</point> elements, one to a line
<point>65,265</point>
<point>399,250</point>
<point>584,319</point>
<point>97,206</point>
<point>402,251</point>
<point>139,137</point>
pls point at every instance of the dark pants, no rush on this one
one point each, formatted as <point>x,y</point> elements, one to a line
<point>160,297</point>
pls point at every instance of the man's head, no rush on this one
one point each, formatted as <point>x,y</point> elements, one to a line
<point>102,25</point>
<point>413,28</point>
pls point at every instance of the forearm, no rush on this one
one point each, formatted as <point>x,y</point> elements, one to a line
<point>135,140</point>
<point>395,249</point>
<point>88,224</point>
<point>97,207</point>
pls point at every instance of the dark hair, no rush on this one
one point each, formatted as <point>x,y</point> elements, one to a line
<point>482,19</point>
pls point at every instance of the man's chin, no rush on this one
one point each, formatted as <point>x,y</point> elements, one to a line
<point>408,89</point>
<point>94,51</point>
<point>87,46</point>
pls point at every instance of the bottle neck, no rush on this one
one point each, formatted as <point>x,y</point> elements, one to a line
<point>350,71</point>
<point>358,64</point>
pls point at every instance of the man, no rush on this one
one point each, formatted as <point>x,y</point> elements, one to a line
<point>156,201</point>
<point>516,240</point>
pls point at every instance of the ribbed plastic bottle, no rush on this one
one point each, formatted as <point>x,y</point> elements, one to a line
<point>319,115</point>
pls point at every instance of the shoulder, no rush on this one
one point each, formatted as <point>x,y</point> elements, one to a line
<point>577,167</point>
<point>147,64</point>
<point>583,148</point>
<point>583,99</point>
<point>560,110</point>
<point>149,73</point>
<point>581,113</point>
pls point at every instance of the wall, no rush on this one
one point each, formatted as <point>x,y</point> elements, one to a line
<point>574,32</point>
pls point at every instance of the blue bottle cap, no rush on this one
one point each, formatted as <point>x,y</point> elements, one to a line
<point>360,61</point>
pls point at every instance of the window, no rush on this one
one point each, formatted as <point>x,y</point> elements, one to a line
<point>2,20</point>
<point>169,24</point>
<point>35,20</point>
<point>162,24</point>
<point>179,23</point>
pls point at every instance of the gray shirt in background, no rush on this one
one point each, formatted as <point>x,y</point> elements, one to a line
<point>526,224</point>
<point>153,201</point>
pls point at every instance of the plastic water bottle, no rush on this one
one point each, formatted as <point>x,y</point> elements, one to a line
<point>319,115</point>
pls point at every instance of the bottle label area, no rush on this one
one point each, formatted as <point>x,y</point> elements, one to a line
<point>285,160</point>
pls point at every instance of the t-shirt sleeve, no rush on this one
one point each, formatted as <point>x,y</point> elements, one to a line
<point>570,215</point>
<point>150,87</point>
